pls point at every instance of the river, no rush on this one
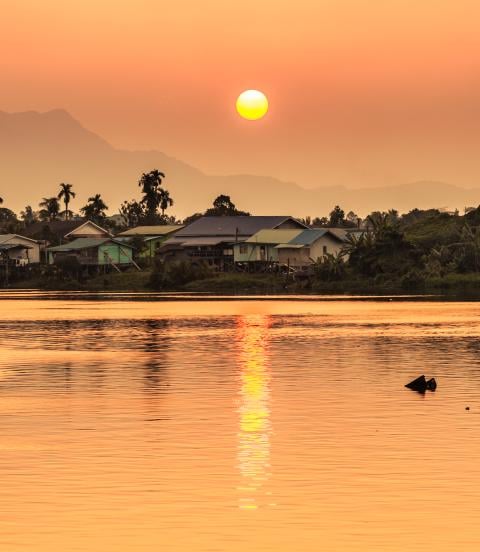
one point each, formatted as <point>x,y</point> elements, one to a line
<point>154,422</point>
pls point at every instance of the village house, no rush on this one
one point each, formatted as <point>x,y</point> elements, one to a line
<point>20,250</point>
<point>261,248</point>
<point>309,246</point>
<point>152,236</point>
<point>56,232</point>
<point>61,231</point>
<point>212,239</point>
<point>93,252</point>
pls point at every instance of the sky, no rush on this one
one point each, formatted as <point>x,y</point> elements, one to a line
<point>361,92</point>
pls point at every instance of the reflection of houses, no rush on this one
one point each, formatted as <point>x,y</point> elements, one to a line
<point>309,246</point>
<point>94,252</point>
<point>212,239</point>
<point>152,236</point>
<point>19,249</point>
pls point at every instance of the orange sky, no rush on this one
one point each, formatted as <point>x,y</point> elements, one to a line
<point>361,91</point>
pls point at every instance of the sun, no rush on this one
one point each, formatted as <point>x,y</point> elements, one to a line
<point>252,105</point>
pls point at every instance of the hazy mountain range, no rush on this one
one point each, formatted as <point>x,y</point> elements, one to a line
<point>40,150</point>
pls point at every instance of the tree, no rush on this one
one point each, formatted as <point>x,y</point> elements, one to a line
<point>28,215</point>
<point>154,196</point>
<point>133,212</point>
<point>337,216</point>
<point>192,218</point>
<point>165,200</point>
<point>223,206</point>
<point>67,194</point>
<point>7,216</point>
<point>317,221</point>
<point>95,209</point>
<point>50,208</point>
<point>353,219</point>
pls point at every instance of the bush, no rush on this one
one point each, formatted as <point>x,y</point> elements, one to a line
<point>176,274</point>
<point>414,279</point>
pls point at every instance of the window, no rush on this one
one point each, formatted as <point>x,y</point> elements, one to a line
<point>243,249</point>
<point>325,250</point>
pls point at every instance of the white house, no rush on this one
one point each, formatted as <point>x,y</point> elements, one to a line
<point>309,246</point>
<point>20,249</point>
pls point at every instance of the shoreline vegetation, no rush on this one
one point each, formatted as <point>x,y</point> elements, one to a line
<point>422,251</point>
<point>462,285</point>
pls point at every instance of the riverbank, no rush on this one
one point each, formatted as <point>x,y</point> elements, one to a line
<point>263,284</point>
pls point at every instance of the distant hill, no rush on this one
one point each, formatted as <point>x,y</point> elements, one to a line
<point>39,150</point>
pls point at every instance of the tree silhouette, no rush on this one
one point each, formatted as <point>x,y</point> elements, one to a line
<point>223,206</point>
<point>50,208</point>
<point>67,194</point>
<point>154,196</point>
<point>95,209</point>
<point>165,200</point>
<point>133,213</point>
<point>337,216</point>
<point>28,215</point>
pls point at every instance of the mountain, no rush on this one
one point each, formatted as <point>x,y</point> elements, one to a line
<point>40,150</point>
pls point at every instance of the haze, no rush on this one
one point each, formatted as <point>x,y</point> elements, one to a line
<point>362,93</point>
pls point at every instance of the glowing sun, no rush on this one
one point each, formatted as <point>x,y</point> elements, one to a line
<point>252,105</point>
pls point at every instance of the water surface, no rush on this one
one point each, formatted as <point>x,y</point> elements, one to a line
<point>215,425</point>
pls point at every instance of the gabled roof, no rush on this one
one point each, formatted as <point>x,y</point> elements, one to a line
<point>86,243</point>
<point>57,227</point>
<point>9,237</point>
<point>274,236</point>
<point>233,226</point>
<point>307,237</point>
<point>88,223</point>
<point>157,230</point>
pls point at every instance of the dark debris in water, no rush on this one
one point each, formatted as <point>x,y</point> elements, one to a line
<point>421,384</point>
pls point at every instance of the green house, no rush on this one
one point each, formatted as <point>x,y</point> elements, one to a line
<point>261,247</point>
<point>152,236</point>
<point>93,252</point>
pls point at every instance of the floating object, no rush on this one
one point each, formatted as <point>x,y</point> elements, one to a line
<point>419,384</point>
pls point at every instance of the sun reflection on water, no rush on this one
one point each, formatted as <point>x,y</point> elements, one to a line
<point>254,409</point>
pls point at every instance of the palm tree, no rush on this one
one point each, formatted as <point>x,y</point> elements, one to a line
<point>95,209</point>
<point>50,208</point>
<point>165,200</point>
<point>153,194</point>
<point>67,194</point>
<point>28,215</point>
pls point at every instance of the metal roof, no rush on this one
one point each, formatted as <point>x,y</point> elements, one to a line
<point>289,246</point>
<point>9,237</point>
<point>274,236</point>
<point>233,226</point>
<point>86,243</point>
<point>307,237</point>
<point>88,223</point>
<point>157,230</point>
